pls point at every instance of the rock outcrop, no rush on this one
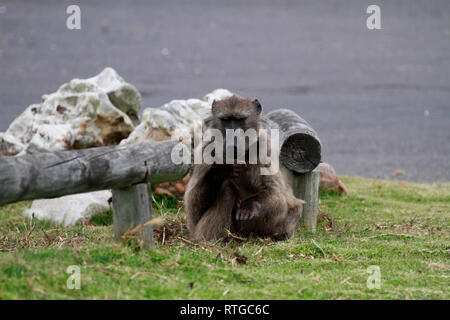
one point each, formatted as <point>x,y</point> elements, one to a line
<point>82,113</point>
<point>177,117</point>
<point>70,209</point>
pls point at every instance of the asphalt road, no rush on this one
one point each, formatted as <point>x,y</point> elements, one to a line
<point>379,99</point>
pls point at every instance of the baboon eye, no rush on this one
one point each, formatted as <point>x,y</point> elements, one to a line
<point>234,119</point>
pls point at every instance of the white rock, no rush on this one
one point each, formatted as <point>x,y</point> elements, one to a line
<point>217,94</point>
<point>324,167</point>
<point>122,95</point>
<point>10,145</point>
<point>49,138</point>
<point>176,118</point>
<point>80,114</point>
<point>70,209</point>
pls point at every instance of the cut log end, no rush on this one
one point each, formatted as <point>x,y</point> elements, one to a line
<point>300,153</point>
<point>301,149</point>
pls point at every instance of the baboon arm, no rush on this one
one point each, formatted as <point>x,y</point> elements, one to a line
<point>217,219</point>
<point>199,195</point>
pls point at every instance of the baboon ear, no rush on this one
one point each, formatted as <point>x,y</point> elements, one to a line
<point>257,105</point>
<point>214,107</point>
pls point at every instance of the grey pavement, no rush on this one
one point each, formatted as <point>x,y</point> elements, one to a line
<point>379,99</point>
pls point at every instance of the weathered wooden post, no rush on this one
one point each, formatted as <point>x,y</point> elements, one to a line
<point>300,154</point>
<point>132,207</point>
<point>306,187</point>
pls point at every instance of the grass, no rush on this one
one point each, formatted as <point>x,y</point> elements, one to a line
<point>403,228</point>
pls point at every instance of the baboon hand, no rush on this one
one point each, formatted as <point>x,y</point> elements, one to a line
<point>236,170</point>
<point>248,210</point>
<point>221,172</point>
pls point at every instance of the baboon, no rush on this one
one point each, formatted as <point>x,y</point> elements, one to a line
<point>236,196</point>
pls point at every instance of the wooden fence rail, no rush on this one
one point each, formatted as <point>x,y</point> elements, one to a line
<point>58,173</point>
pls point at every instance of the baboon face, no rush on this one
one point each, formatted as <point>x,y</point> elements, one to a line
<point>236,113</point>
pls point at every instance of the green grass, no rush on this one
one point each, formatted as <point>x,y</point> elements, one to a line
<point>401,227</point>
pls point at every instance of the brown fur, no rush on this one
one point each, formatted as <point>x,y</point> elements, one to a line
<point>238,198</point>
